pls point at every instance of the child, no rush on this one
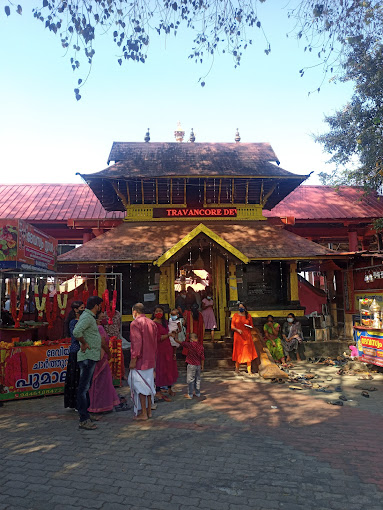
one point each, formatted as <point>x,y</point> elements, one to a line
<point>175,330</point>
<point>195,360</point>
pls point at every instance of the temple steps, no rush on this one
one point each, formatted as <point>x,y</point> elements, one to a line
<point>217,355</point>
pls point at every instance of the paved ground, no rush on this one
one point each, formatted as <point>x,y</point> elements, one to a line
<point>231,451</point>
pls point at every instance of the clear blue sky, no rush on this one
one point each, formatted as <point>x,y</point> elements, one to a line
<point>47,136</point>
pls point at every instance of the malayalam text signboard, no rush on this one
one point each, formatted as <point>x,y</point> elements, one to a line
<point>32,371</point>
<point>370,346</point>
<point>25,247</point>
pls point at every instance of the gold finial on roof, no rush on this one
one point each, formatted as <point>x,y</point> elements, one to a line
<point>147,136</point>
<point>237,137</point>
<point>179,133</point>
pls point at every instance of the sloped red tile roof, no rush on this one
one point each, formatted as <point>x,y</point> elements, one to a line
<point>328,203</point>
<point>51,202</point>
<point>148,241</point>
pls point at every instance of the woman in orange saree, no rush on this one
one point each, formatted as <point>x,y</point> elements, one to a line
<point>243,347</point>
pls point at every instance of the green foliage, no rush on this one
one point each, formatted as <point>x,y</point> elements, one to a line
<point>355,138</point>
<point>218,26</point>
<point>329,27</point>
<point>378,225</point>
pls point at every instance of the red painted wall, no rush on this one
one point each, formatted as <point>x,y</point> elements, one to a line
<point>310,297</point>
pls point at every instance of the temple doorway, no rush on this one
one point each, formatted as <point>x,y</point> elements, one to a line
<point>204,271</point>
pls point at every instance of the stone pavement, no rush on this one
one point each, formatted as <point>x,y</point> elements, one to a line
<point>231,451</point>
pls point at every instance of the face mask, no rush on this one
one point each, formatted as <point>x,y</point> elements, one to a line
<point>174,317</point>
<point>241,310</point>
<point>208,297</point>
<point>158,315</point>
<point>290,319</point>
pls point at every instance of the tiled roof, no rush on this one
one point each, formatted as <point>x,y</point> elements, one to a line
<point>326,202</point>
<point>188,159</point>
<point>148,241</point>
<point>51,202</point>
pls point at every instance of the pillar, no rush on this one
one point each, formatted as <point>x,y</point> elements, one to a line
<point>101,280</point>
<point>233,289</point>
<point>353,241</point>
<point>332,297</point>
<point>87,236</point>
<point>165,282</point>
<point>294,296</point>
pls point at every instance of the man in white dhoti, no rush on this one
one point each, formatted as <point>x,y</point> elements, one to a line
<point>143,338</point>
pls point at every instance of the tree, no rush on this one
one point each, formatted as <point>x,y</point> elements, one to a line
<point>355,139</point>
<point>331,26</point>
<point>217,26</point>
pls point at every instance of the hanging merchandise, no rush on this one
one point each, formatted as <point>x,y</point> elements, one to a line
<point>110,311</point>
<point>17,315</point>
<point>62,304</point>
<point>85,293</point>
<point>51,310</point>
<point>40,306</point>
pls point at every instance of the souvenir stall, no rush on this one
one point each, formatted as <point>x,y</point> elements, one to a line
<point>368,332</point>
<point>34,341</point>
<point>365,306</point>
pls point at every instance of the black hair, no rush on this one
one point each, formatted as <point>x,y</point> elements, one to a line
<point>195,311</point>
<point>71,316</point>
<point>163,320</point>
<point>245,307</point>
<point>93,301</point>
<point>267,318</point>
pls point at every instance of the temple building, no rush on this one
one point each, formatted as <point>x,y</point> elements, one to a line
<point>193,215</point>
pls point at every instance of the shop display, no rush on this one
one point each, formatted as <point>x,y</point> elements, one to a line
<point>368,333</point>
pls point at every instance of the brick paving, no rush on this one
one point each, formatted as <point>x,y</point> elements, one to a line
<point>230,451</point>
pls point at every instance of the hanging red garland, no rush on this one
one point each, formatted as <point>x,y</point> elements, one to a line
<point>75,294</point>
<point>17,315</point>
<point>51,311</point>
<point>110,311</point>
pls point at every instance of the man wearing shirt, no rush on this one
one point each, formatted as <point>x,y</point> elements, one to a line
<point>87,333</point>
<point>143,338</point>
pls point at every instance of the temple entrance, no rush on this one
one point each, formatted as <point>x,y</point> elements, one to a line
<point>202,260</point>
<point>203,270</point>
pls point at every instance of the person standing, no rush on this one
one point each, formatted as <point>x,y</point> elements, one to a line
<point>243,347</point>
<point>166,365</point>
<point>208,313</point>
<point>143,338</point>
<point>87,333</point>
<point>72,369</point>
<point>195,360</point>
<point>102,395</point>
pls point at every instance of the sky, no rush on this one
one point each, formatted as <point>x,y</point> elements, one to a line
<point>48,136</point>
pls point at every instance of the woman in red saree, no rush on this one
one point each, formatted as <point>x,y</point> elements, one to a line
<point>194,323</point>
<point>243,347</point>
<point>166,365</point>
<point>103,396</point>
